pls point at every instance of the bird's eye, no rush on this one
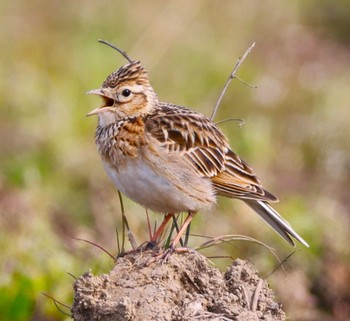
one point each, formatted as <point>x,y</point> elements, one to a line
<point>126,92</point>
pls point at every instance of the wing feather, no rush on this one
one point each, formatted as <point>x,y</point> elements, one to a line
<point>179,129</point>
<point>205,146</point>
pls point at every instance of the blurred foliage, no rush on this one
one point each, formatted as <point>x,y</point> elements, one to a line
<point>296,137</point>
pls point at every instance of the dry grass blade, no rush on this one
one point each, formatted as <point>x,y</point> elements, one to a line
<point>177,228</point>
<point>98,246</point>
<point>73,276</point>
<point>149,225</point>
<point>212,241</point>
<point>255,299</point>
<point>168,239</point>
<point>220,257</point>
<point>125,224</point>
<point>187,235</point>
<point>245,83</point>
<point>118,241</point>
<point>215,241</point>
<point>174,227</point>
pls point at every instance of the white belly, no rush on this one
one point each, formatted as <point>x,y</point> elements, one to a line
<point>142,184</point>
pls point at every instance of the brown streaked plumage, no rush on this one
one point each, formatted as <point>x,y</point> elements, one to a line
<point>169,158</point>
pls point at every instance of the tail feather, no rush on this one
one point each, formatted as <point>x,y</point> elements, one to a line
<point>280,225</point>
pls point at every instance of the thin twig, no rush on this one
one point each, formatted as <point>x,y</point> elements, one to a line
<point>73,276</point>
<point>232,76</point>
<point>56,303</point>
<point>241,122</point>
<point>280,264</point>
<point>123,53</point>
<point>245,83</point>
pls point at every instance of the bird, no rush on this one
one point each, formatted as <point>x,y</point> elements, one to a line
<point>171,159</point>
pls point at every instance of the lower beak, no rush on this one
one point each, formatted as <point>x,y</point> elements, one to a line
<point>94,112</point>
<point>100,92</point>
<point>99,110</point>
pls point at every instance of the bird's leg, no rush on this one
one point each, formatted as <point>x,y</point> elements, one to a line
<point>155,237</point>
<point>182,230</point>
<point>176,226</point>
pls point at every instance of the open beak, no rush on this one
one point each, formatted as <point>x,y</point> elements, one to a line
<point>107,97</point>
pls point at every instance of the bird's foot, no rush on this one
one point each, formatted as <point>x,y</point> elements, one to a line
<point>171,250</point>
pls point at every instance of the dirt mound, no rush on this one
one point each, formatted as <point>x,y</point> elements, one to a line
<point>186,287</point>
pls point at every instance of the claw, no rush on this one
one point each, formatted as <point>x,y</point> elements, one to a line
<point>165,256</point>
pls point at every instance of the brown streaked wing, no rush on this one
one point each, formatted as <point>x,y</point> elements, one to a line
<point>237,167</point>
<point>234,185</point>
<point>179,129</point>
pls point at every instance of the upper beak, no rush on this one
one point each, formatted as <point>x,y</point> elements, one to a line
<point>100,92</point>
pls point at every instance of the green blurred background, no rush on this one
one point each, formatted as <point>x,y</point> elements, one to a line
<point>296,136</point>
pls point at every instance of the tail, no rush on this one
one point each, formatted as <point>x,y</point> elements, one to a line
<point>280,225</point>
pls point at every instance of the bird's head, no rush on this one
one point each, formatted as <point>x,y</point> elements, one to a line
<point>125,93</point>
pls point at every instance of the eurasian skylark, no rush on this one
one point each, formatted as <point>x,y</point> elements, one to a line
<point>171,159</point>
